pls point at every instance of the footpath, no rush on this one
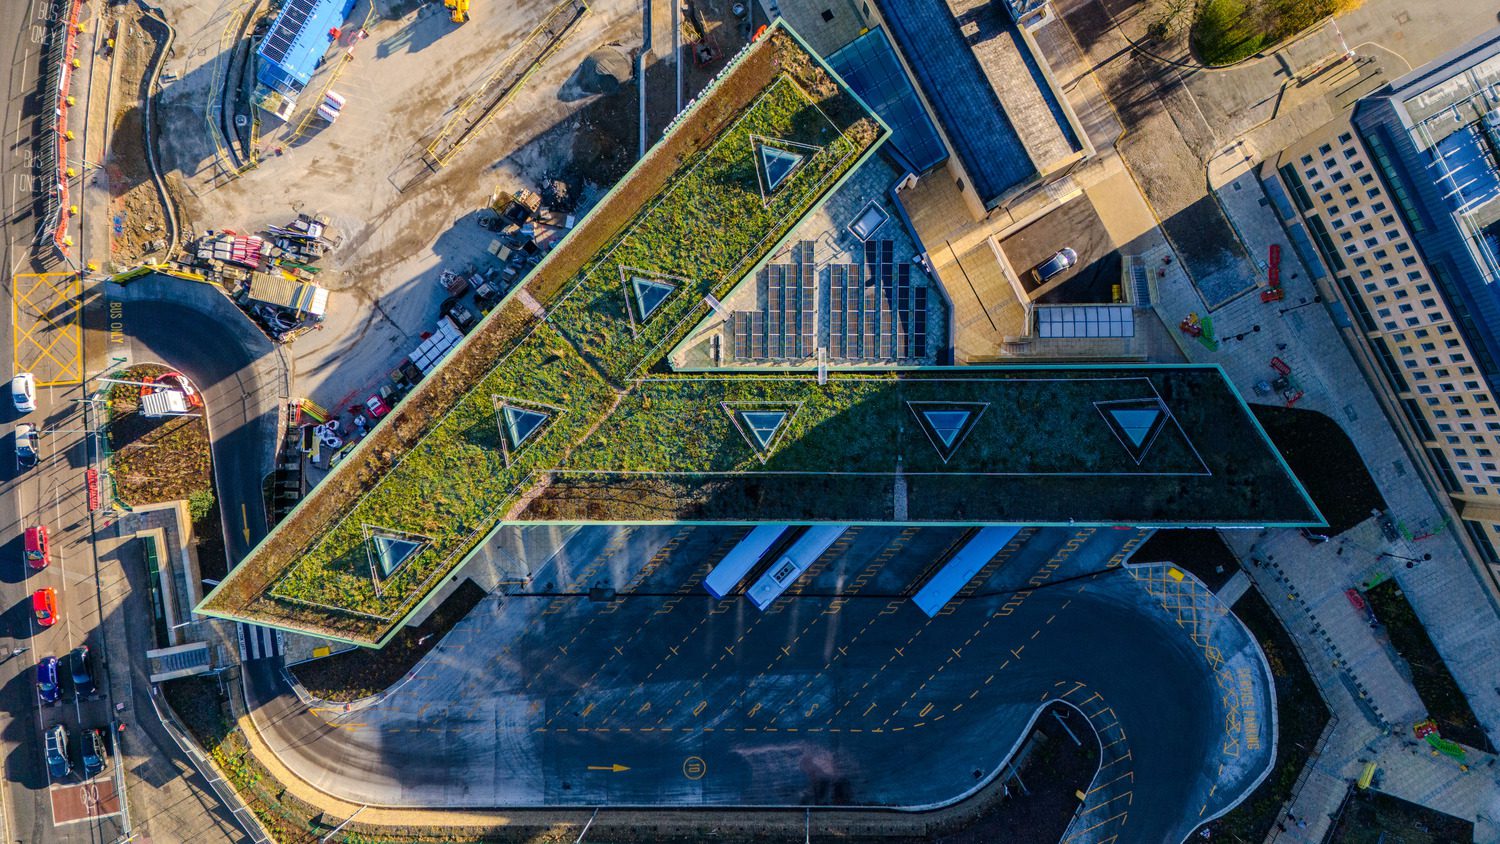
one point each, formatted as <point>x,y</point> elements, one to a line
<point>1374,704</point>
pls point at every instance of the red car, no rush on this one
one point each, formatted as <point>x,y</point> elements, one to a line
<point>44,604</point>
<point>38,547</point>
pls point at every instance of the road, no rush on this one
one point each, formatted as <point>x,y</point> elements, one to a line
<point>842,694</point>
<point>197,330</point>
<point>45,338</point>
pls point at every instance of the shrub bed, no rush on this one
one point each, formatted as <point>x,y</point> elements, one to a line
<point>1445,701</point>
<point>1301,717</point>
<point>1324,458</point>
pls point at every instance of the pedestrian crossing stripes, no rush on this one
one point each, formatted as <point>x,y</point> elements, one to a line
<point>258,642</point>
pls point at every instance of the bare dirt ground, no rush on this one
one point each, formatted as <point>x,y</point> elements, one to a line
<point>402,83</point>
<point>137,218</point>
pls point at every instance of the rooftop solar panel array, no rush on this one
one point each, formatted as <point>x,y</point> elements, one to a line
<point>296,42</point>
<point>875,312</point>
<point>786,326</point>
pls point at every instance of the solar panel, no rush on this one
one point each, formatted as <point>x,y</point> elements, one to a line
<point>836,276</point>
<point>854,308</point>
<point>809,302</point>
<point>791,309</point>
<point>288,25</point>
<point>773,311</point>
<point>919,322</point>
<point>741,335</point>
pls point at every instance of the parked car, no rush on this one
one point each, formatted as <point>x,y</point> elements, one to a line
<point>47,689</point>
<point>44,605</point>
<point>377,406</point>
<point>83,674</point>
<point>23,391</point>
<point>95,756</point>
<point>38,546</point>
<point>28,443</point>
<point>57,751</point>
<point>1059,263</point>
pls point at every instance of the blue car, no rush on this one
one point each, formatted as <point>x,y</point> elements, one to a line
<point>95,757</point>
<point>46,680</point>
<point>56,744</point>
<point>83,675</point>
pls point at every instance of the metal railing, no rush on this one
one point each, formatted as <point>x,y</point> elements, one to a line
<point>222,787</point>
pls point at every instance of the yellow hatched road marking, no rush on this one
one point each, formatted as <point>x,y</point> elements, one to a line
<point>50,303</point>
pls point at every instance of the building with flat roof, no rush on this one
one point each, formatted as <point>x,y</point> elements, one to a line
<point>1402,198</point>
<point>1005,123</point>
<point>991,91</point>
<point>293,48</point>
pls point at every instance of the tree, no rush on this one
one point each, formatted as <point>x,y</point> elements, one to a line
<point>1169,20</point>
<point>200,504</point>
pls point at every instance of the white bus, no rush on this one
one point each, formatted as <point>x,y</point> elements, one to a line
<point>741,559</point>
<point>961,568</point>
<point>790,566</point>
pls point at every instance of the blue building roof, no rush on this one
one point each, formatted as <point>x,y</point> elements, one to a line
<point>959,91</point>
<point>296,42</point>
<point>870,66</point>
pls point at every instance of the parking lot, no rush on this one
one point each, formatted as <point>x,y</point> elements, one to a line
<point>561,692</point>
<point>1075,225</point>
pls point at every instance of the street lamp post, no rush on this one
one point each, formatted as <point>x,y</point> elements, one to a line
<point>1411,562</point>
<point>1315,300</point>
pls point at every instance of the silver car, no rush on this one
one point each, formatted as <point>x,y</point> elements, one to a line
<point>1058,264</point>
<point>27,442</point>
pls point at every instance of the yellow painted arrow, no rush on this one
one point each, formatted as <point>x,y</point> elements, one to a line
<point>615,768</point>
<point>245,521</point>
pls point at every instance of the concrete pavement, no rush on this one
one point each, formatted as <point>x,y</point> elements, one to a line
<point>1453,603</point>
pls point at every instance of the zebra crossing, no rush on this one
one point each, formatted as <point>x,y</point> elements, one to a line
<point>258,642</point>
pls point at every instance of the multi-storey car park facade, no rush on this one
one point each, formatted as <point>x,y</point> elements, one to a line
<point>1401,199</point>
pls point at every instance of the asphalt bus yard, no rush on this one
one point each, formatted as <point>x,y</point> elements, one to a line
<point>612,677</point>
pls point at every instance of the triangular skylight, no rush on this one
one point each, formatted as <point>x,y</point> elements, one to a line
<point>521,423</point>
<point>650,293</point>
<point>778,164</point>
<point>1136,423</point>
<point>762,424</point>
<point>388,550</point>
<point>776,161</point>
<point>947,424</point>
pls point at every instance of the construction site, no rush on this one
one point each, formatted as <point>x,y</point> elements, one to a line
<point>402,128</point>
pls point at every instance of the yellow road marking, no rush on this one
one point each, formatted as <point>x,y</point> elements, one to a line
<point>54,310</point>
